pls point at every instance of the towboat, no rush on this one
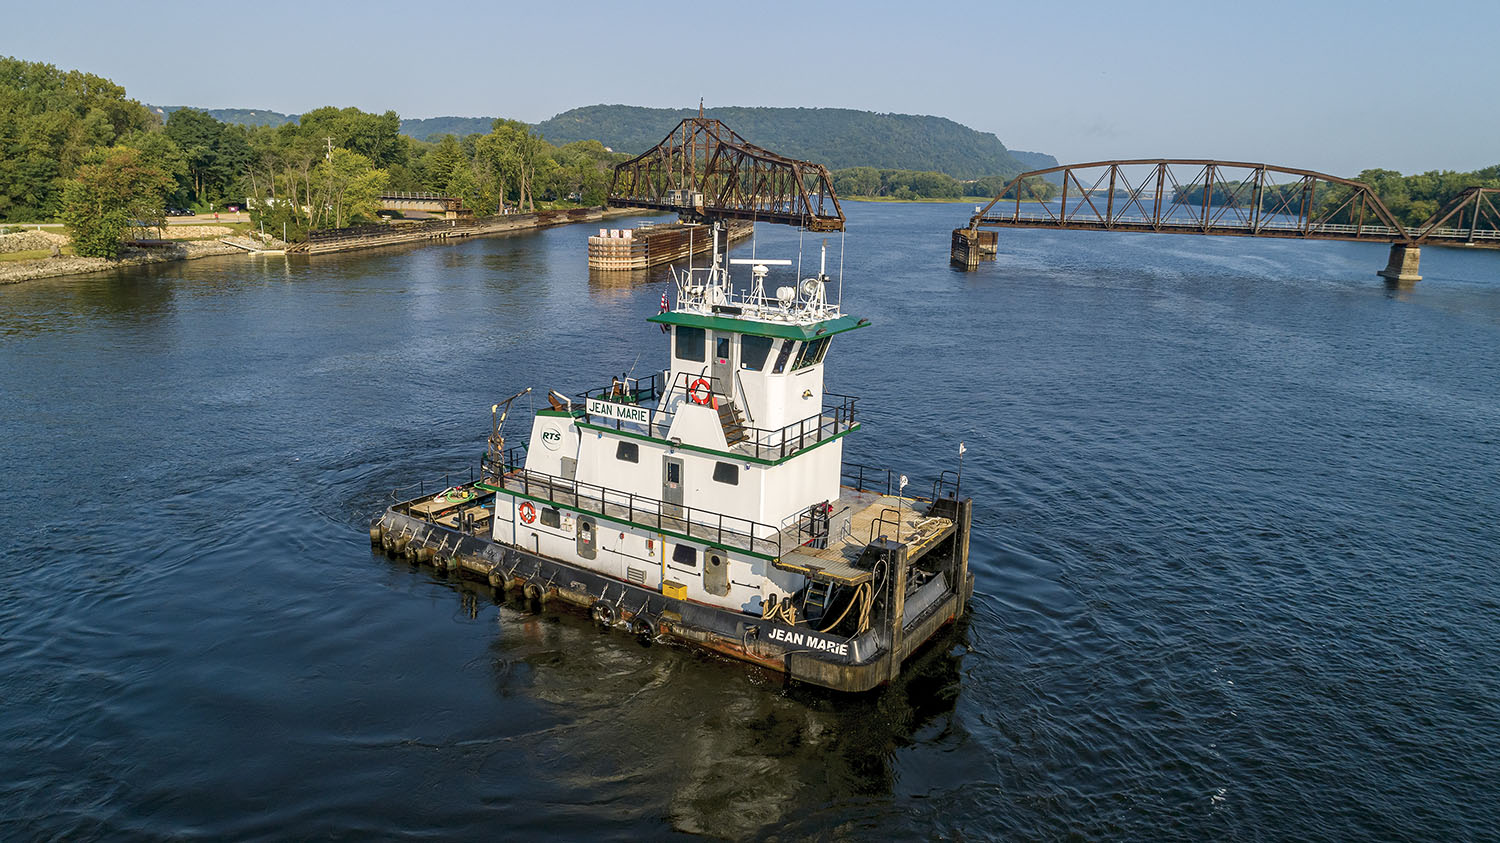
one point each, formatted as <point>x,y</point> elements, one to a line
<point>709,503</point>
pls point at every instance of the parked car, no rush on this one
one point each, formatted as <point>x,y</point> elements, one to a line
<point>179,212</point>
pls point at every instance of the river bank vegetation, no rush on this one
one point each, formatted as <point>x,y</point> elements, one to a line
<point>907,185</point>
<point>1411,199</point>
<point>75,148</point>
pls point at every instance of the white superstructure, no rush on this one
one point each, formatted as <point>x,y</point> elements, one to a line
<point>697,480</point>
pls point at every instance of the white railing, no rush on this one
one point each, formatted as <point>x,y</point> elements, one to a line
<point>1184,221</point>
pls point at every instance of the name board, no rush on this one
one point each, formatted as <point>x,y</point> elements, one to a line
<point>809,641</point>
<point>610,411</point>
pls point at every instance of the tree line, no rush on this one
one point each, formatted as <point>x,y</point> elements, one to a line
<point>74,147</point>
<point>1411,199</point>
<point>912,184</point>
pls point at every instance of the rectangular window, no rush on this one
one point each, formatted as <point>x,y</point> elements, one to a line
<point>727,472</point>
<point>685,555</point>
<point>628,452</point>
<point>690,343</point>
<point>550,517</point>
<point>674,472</point>
<point>721,349</point>
<point>753,352</point>
<point>812,353</point>
<point>783,355</point>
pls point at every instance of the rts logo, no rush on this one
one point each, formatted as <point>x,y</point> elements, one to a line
<point>551,438</point>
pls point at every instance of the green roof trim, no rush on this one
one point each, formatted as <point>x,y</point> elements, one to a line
<point>762,329</point>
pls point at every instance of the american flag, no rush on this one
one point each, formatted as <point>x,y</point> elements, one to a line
<point>663,302</point>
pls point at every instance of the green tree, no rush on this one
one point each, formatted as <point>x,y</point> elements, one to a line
<point>50,119</point>
<point>351,186</point>
<point>161,151</point>
<point>113,188</point>
<point>375,136</point>
<point>442,161</point>
<point>196,133</point>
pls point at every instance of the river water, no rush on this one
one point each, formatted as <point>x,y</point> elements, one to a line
<point>1235,540</point>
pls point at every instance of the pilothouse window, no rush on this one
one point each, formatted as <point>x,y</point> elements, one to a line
<point>753,352</point>
<point>783,355</point>
<point>690,343</point>
<point>812,353</point>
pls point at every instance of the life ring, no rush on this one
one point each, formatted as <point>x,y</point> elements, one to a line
<point>708,393</point>
<point>528,512</point>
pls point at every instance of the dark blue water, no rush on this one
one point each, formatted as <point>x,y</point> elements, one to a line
<point>1236,546</point>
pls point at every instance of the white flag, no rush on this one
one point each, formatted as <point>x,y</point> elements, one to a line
<point>903,481</point>
<point>961,449</point>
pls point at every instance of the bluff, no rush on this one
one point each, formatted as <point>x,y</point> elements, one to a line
<point>835,137</point>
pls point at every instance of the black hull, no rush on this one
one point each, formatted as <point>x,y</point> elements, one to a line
<point>799,654</point>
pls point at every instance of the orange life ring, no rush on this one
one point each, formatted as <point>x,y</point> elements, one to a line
<point>708,393</point>
<point>528,512</point>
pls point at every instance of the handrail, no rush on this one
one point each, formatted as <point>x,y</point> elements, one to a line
<point>697,523</point>
<point>763,443</point>
<point>421,485</point>
<point>745,405</point>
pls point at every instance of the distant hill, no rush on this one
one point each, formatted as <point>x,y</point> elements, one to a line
<point>1034,160</point>
<point>432,127</point>
<point>242,116</point>
<point>834,137</point>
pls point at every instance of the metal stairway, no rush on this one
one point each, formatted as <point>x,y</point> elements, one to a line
<point>732,422</point>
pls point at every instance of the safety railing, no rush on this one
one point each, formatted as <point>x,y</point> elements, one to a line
<point>837,415</point>
<point>694,522</point>
<point>626,390</point>
<point>493,467</point>
<point>449,481</point>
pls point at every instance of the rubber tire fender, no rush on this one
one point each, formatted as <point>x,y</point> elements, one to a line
<point>603,613</point>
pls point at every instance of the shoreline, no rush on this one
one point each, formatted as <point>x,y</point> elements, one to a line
<point>18,272</point>
<point>22,271</point>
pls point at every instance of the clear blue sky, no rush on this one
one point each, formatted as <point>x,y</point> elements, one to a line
<point>1332,86</point>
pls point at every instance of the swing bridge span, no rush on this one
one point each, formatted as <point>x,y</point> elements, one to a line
<point>1224,198</point>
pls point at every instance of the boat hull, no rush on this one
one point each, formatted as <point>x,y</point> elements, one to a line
<point>797,653</point>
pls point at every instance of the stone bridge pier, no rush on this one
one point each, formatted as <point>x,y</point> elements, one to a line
<point>1403,265</point>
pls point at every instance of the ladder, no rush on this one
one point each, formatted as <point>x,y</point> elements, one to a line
<point>732,422</point>
<point>816,599</point>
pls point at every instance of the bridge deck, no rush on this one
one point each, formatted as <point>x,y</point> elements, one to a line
<point>1270,228</point>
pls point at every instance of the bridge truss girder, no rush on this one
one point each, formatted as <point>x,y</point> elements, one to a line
<point>1469,215</point>
<point>702,169</point>
<point>1216,197</point>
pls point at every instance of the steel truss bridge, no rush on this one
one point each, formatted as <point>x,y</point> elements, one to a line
<point>1199,196</point>
<point>703,170</point>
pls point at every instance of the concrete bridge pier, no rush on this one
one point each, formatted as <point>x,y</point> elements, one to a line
<point>1402,267</point>
<point>970,246</point>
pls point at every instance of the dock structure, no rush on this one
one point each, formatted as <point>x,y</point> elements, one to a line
<point>652,245</point>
